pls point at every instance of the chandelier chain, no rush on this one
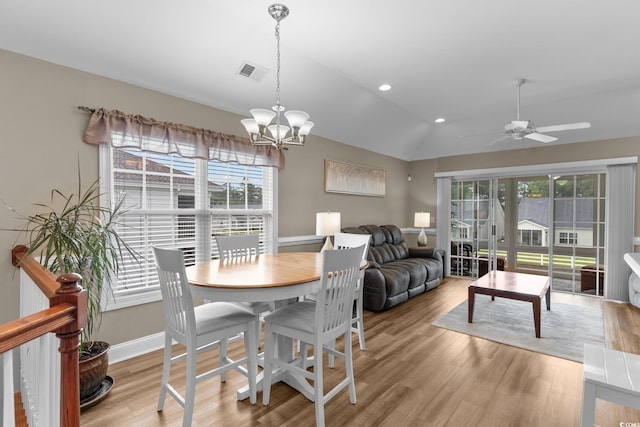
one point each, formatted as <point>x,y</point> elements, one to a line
<point>278,107</point>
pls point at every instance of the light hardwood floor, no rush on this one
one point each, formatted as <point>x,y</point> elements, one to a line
<point>412,374</point>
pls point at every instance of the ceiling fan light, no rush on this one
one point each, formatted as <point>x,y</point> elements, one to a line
<point>305,128</point>
<point>278,131</point>
<point>520,124</point>
<point>262,117</point>
<point>296,118</point>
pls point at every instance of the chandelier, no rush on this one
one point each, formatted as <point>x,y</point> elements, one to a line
<point>260,129</point>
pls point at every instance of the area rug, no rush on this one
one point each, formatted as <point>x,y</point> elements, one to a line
<point>563,331</point>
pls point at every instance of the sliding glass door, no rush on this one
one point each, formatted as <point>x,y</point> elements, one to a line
<point>548,225</point>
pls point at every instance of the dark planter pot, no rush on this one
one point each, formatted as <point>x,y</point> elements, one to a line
<point>93,371</point>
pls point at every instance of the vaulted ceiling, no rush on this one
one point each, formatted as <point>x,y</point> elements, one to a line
<point>457,59</point>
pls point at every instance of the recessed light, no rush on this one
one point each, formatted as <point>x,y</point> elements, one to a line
<point>384,87</point>
<point>440,120</point>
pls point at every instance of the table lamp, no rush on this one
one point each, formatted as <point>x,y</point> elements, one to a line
<point>422,219</point>
<point>327,223</point>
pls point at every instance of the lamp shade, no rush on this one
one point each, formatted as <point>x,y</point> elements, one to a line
<point>296,118</point>
<point>278,131</point>
<point>306,128</point>
<point>250,125</point>
<point>327,223</point>
<point>422,219</point>
<point>262,117</point>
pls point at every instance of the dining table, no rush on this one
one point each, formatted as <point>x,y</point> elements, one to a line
<point>280,277</point>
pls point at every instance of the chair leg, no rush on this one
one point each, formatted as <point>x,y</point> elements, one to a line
<point>318,388</point>
<point>332,358</point>
<point>166,368</point>
<point>269,347</point>
<point>588,415</point>
<point>190,389</point>
<point>251,349</point>
<point>304,351</point>
<point>222,357</point>
<point>360,323</point>
<point>257,335</point>
<point>348,363</point>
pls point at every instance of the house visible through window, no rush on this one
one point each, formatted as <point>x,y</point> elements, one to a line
<point>178,202</point>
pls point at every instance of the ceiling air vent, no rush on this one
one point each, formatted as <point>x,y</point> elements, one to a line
<point>252,71</point>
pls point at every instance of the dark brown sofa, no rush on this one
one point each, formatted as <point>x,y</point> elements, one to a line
<point>396,272</point>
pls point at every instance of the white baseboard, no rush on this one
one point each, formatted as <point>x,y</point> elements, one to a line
<point>137,347</point>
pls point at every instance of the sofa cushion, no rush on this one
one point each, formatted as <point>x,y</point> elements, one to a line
<point>387,243</point>
<point>377,236</point>
<point>415,268</point>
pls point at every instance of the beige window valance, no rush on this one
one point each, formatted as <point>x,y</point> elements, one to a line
<point>122,130</point>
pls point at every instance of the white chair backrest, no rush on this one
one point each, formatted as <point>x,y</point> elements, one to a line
<point>340,272</point>
<point>352,240</point>
<point>179,316</point>
<point>244,245</point>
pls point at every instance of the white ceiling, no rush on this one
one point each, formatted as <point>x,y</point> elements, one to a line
<point>458,59</point>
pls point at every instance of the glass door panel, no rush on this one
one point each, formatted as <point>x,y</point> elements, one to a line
<point>472,240</point>
<point>531,246</point>
<point>578,236</point>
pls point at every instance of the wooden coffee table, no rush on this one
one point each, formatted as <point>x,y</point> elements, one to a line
<point>517,286</point>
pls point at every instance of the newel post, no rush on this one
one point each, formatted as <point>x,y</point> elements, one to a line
<point>71,293</point>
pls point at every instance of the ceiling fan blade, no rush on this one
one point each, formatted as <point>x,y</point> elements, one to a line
<point>568,126</point>
<point>502,138</point>
<point>540,137</point>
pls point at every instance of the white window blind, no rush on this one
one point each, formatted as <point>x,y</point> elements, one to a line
<point>178,202</point>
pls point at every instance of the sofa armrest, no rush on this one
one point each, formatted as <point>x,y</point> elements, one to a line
<point>425,253</point>
<point>373,265</point>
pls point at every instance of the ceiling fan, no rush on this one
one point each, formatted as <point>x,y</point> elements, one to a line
<point>519,129</point>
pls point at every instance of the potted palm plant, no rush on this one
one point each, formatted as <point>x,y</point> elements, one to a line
<point>75,234</point>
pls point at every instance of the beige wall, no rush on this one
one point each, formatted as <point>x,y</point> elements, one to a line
<point>41,131</point>
<point>301,188</point>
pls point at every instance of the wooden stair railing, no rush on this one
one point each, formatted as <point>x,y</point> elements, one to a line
<point>66,317</point>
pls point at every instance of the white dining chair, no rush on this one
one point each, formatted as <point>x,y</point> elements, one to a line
<point>243,246</point>
<point>199,328</point>
<point>318,323</point>
<point>347,241</point>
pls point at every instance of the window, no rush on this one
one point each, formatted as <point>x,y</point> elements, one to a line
<point>462,233</point>
<point>567,238</point>
<point>179,202</point>
<point>530,237</point>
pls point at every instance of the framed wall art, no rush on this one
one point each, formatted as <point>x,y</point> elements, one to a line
<point>347,178</point>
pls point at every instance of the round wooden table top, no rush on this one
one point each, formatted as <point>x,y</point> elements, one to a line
<point>263,271</point>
